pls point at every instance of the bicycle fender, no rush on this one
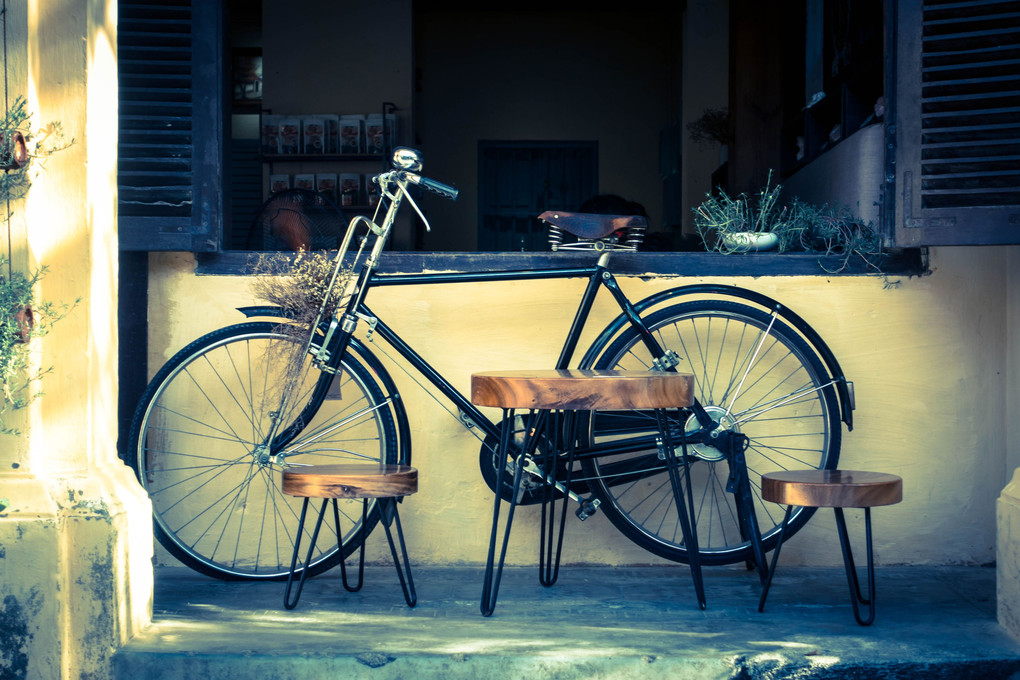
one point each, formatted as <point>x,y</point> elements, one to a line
<point>846,403</point>
<point>264,310</point>
<point>371,361</point>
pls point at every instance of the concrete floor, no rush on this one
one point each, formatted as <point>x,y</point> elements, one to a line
<point>596,622</point>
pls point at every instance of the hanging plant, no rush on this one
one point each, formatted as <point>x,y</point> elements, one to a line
<point>23,321</point>
<point>22,317</point>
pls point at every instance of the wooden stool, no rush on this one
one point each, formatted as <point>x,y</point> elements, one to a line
<point>836,489</point>
<point>385,483</point>
<point>554,397</point>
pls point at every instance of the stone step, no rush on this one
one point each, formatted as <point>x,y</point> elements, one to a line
<point>596,622</point>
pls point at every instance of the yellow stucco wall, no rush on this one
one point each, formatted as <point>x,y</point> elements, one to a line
<point>928,358</point>
<point>75,575</point>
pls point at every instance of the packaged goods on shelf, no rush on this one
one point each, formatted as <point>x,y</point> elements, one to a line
<point>271,134</point>
<point>351,134</point>
<point>325,183</point>
<point>332,123</point>
<point>278,182</point>
<point>371,191</point>
<point>304,182</point>
<point>314,136</point>
<point>380,133</point>
<point>350,189</point>
<point>290,136</point>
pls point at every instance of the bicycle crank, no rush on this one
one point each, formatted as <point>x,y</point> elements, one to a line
<point>586,506</point>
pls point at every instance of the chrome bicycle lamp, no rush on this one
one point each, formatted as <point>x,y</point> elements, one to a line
<point>407,159</point>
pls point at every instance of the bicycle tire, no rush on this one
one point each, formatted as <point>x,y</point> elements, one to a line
<point>715,340</point>
<point>216,498</point>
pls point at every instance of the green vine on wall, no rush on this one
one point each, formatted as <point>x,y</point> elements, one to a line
<point>23,318</point>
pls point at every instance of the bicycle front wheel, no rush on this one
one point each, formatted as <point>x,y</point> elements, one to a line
<point>200,448</point>
<point>754,375</point>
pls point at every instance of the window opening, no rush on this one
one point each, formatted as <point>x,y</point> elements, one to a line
<point>519,180</point>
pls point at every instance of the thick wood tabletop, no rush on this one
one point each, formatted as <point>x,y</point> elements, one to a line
<point>352,480</point>
<point>832,488</point>
<point>582,390</point>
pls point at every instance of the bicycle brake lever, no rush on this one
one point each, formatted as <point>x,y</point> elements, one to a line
<point>414,205</point>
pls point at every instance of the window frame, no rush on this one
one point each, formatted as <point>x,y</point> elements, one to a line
<point>907,225</point>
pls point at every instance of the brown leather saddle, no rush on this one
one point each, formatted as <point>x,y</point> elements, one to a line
<point>589,226</point>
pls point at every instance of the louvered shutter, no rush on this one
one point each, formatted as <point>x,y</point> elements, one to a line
<point>957,113</point>
<point>171,122</point>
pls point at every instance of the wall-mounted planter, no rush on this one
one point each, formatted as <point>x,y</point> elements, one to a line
<point>25,320</point>
<point>13,150</point>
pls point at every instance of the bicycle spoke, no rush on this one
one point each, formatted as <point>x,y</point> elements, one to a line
<point>754,377</point>
<point>203,456</point>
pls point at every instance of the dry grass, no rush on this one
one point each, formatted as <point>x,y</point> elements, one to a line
<point>299,283</point>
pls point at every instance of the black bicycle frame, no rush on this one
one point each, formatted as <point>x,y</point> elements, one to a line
<point>597,277</point>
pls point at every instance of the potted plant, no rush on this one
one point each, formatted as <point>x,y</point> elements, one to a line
<point>739,225</point>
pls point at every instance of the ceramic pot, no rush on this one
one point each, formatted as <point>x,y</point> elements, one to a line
<point>749,241</point>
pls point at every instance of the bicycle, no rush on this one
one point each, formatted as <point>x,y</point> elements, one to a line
<point>223,416</point>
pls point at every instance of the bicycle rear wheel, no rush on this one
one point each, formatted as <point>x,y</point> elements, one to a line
<point>754,375</point>
<point>199,440</point>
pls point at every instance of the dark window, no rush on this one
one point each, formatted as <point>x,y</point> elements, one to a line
<point>519,180</point>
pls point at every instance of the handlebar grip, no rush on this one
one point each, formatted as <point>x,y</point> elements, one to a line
<point>435,187</point>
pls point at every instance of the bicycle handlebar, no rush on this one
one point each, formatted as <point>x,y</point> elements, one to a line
<point>432,185</point>
<point>435,187</point>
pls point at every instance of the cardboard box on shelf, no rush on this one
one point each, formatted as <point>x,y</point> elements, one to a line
<point>304,182</point>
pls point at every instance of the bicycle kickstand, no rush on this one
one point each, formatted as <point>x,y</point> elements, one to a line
<point>739,484</point>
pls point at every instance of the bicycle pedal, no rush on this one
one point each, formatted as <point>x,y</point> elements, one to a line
<point>588,508</point>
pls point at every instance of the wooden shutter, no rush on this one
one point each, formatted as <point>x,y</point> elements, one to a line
<point>171,124</point>
<point>956,108</point>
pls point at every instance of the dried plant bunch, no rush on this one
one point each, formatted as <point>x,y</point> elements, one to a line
<point>836,231</point>
<point>42,143</point>
<point>299,282</point>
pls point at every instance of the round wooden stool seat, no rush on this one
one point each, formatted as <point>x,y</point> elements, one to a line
<point>350,480</point>
<point>582,390</point>
<point>555,396</point>
<point>836,489</point>
<point>361,481</point>
<point>832,488</point>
